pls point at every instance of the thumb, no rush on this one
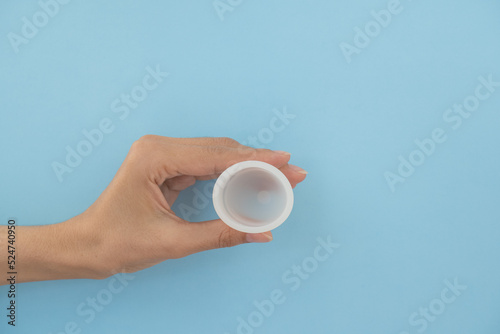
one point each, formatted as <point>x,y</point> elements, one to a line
<point>215,234</point>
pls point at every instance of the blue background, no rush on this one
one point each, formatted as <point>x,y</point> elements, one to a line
<point>353,121</point>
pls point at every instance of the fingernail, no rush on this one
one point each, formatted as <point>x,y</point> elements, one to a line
<point>259,237</point>
<point>283,153</point>
<point>298,169</point>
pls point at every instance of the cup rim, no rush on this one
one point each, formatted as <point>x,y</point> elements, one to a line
<point>228,174</point>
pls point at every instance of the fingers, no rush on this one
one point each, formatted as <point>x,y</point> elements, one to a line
<point>200,141</point>
<point>215,234</point>
<point>213,160</point>
<point>165,157</point>
<point>294,174</point>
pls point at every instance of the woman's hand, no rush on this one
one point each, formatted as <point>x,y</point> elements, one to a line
<point>131,226</point>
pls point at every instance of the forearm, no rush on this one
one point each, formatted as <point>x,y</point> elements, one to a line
<point>49,252</point>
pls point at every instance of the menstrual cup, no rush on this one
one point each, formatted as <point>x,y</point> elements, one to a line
<point>253,197</point>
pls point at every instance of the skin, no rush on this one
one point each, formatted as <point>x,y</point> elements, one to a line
<point>131,226</point>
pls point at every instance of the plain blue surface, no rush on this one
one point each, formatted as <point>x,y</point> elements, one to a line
<point>352,122</point>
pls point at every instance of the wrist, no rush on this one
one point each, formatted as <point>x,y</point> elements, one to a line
<point>67,250</point>
<point>75,249</point>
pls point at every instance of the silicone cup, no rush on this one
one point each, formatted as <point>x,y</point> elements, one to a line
<point>253,197</point>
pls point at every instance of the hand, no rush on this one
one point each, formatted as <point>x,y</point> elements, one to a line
<point>131,226</point>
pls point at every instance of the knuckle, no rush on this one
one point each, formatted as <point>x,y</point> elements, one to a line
<point>248,152</point>
<point>141,143</point>
<point>227,141</point>
<point>216,150</point>
<point>148,138</point>
<point>144,144</point>
<point>225,239</point>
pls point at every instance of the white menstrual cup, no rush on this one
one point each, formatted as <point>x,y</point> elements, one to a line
<point>253,197</point>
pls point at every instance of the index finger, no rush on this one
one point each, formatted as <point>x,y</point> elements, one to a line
<point>168,158</point>
<point>213,160</point>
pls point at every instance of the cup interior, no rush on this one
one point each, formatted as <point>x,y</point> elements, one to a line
<point>254,197</point>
